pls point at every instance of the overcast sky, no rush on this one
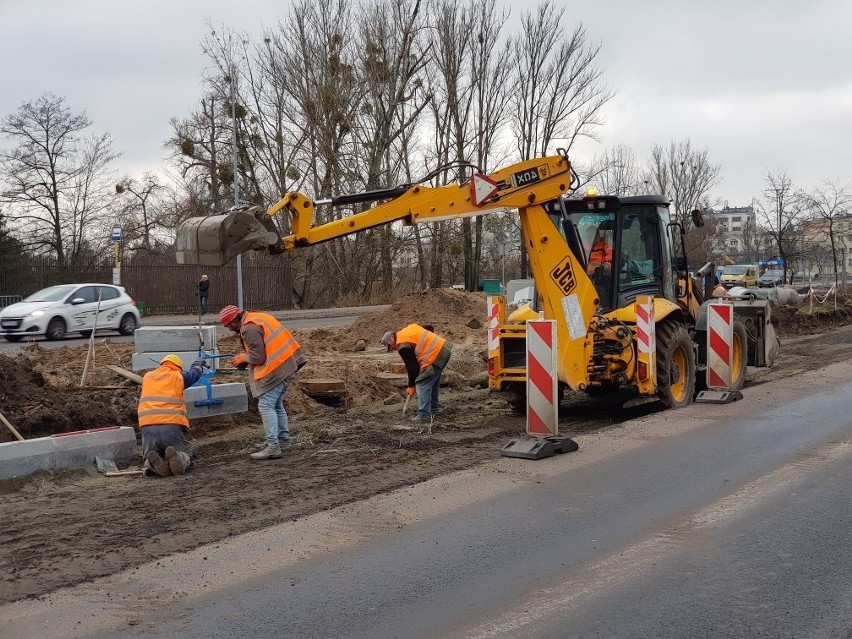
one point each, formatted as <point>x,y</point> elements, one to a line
<point>762,84</point>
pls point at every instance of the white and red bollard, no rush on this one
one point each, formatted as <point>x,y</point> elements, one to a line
<point>720,340</point>
<point>720,355</point>
<point>542,395</point>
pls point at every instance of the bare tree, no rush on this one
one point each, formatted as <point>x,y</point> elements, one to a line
<point>685,175</point>
<point>781,211</point>
<point>201,153</point>
<point>557,88</point>
<point>140,215</point>
<point>393,58</point>
<point>56,181</point>
<point>828,205</point>
<point>617,172</point>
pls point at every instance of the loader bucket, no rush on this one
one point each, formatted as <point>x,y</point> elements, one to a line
<point>763,343</point>
<point>218,239</point>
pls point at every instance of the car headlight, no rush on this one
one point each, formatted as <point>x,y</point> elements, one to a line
<point>36,313</point>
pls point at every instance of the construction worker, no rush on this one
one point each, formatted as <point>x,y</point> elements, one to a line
<point>425,355</point>
<point>719,290</point>
<point>274,356</point>
<point>600,255</point>
<point>163,423</point>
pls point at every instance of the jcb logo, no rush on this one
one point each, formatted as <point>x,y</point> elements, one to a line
<point>564,276</point>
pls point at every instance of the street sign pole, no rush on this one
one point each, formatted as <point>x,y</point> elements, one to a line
<point>116,247</point>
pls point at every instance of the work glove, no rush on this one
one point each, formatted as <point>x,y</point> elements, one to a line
<point>198,364</point>
<point>239,361</point>
<point>411,390</point>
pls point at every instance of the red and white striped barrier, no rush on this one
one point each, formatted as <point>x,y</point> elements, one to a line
<point>720,341</point>
<point>646,336</point>
<point>542,396</point>
<point>493,324</point>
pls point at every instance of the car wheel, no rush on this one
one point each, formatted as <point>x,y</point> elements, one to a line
<point>55,329</point>
<point>13,338</point>
<point>128,324</point>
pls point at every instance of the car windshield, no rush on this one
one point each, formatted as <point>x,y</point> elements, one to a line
<point>734,270</point>
<point>773,274</point>
<point>51,294</point>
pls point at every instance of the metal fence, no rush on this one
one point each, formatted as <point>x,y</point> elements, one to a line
<point>6,300</point>
<point>159,284</point>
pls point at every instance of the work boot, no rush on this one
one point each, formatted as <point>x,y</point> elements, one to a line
<point>284,444</point>
<point>158,464</point>
<point>272,451</point>
<point>176,464</point>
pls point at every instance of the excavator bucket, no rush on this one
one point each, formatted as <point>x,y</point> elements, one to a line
<point>218,239</point>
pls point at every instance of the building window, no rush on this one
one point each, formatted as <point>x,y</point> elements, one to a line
<point>737,219</point>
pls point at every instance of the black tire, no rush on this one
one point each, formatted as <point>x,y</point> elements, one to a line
<point>675,365</point>
<point>13,338</point>
<point>128,324</point>
<point>55,329</point>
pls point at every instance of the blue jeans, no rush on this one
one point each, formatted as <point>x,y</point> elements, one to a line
<point>271,407</point>
<point>427,394</point>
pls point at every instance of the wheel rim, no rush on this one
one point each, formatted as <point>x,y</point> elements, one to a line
<point>128,324</point>
<point>677,381</point>
<point>55,330</point>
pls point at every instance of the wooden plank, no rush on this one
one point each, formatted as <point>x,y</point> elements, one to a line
<point>118,370</point>
<point>122,473</point>
<point>319,385</point>
<point>392,378</point>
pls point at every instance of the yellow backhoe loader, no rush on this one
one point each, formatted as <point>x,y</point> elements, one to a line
<point>592,297</point>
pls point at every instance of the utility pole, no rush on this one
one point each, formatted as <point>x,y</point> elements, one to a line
<point>236,181</point>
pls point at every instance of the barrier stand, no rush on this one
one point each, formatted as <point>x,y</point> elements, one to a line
<point>720,352</point>
<point>542,397</point>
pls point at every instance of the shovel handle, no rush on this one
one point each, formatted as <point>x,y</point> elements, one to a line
<point>405,407</point>
<point>11,428</point>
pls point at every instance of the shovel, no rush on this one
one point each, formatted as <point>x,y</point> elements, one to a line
<point>405,406</point>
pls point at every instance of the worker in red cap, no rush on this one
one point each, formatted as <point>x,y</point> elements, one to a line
<point>163,423</point>
<point>273,356</point>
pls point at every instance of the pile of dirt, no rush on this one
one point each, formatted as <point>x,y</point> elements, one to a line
<point>455,315</point>
<point>38,409</point>
<point>793,321</point>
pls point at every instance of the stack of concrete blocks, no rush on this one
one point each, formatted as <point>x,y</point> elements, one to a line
<point>155,342</point>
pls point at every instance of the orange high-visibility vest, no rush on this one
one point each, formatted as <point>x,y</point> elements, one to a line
<point>279,342</point>
<point>427,345</point>
<point>161,401</point>
<point>600,254</point>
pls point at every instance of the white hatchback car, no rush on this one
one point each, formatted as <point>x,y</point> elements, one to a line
<point>70,308</point>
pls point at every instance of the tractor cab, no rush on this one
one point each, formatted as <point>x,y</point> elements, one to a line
<point>623,243</point>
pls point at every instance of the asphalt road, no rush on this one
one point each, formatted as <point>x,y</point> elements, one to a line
<point>710,521</point>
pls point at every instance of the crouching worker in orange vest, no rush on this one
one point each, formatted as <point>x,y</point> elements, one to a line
<point>425,355</point>
<point>274,356</point>
<point>163,423</point>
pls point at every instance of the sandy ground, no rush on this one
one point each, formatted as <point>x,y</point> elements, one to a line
<point>64,528</point>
